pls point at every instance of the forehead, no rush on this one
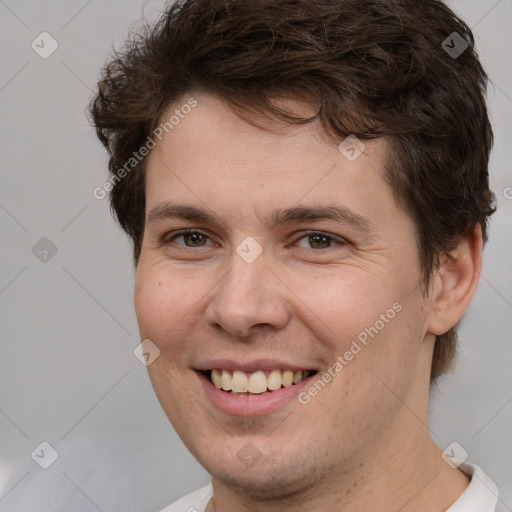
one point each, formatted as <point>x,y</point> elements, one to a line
<point>214,157</point>
<point>212,129</point>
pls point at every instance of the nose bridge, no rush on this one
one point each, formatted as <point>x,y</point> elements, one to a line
<point>246,296</point>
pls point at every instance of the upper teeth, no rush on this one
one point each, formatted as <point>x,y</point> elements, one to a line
<point>257,382</point>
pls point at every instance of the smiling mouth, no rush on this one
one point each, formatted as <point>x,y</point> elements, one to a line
<point>255,383</point>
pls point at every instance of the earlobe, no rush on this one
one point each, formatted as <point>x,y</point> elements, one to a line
<point>455,283</point>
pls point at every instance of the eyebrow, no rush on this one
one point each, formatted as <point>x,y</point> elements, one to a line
<point>296,214</point>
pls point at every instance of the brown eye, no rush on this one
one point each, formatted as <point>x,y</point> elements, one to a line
<point>190,238</point>
<point>319,240</point>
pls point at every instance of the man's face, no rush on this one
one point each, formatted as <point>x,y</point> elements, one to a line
<point>319,291</point>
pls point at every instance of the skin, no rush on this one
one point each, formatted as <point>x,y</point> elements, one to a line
<point>363,442</point>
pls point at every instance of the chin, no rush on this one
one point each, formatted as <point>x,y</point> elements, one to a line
<point>263,487</point>
<point>269,478</point>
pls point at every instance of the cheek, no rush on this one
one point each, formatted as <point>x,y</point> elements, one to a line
<point>343,302</point>
<point>369,322</point>
<point>381,357</point>
<point>163,304</point>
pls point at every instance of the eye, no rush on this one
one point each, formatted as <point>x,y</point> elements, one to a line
<point>191,238</point>
<point>315,239</point>
<point>320,240</point>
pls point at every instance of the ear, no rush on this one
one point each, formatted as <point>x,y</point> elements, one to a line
<point>455,283</point>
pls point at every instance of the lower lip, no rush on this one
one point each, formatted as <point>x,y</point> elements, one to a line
<point>251,405</point>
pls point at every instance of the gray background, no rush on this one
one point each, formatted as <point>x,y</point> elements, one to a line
<point>68,375</point>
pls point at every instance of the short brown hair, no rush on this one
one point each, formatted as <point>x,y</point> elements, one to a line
<point>371,68</point>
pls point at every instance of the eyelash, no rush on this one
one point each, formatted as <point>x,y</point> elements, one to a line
<point>332,238</point>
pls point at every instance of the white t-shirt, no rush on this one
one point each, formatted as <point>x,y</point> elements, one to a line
<point>481,495</point>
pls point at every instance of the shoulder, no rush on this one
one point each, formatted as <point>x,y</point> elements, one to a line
<point>480,496</point>
<point>194,502</point>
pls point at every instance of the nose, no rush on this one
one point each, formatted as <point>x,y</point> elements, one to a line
<point>248,295</point>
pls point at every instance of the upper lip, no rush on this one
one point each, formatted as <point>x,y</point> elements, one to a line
<point>251,366</point>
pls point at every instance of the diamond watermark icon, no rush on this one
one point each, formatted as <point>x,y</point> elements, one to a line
<point>249,249</point>
<point>147,352</point>
<point>249,455</point>
<point>45,455</point>
<point>44,250</point>
<point>351,148</point>
<point>44,45</point>
<point>454,45</point>
<point>454,455</point>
